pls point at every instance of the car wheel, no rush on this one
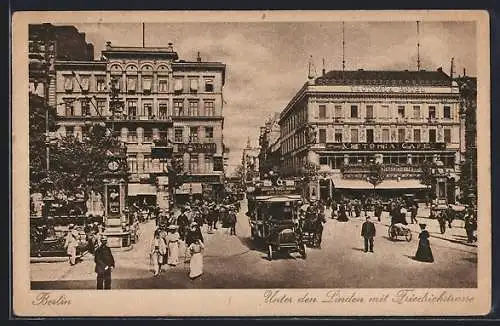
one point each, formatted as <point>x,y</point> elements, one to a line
<point>303,251</point>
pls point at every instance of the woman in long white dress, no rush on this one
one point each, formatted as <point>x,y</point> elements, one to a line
<point>196,263</point>
<point>173,239</point>
<point>157,251</point>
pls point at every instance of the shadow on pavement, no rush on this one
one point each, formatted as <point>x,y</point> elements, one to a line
<point>358,249</point>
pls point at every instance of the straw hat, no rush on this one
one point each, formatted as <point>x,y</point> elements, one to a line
<point>172,227</point>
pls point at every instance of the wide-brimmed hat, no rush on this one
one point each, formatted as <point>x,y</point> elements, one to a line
<point>194,224</point>
<point>172,227</point>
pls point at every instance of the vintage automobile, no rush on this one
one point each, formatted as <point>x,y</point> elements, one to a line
<point>273,220</point>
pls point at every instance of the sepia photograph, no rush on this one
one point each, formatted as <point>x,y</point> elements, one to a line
<point>327,163</point>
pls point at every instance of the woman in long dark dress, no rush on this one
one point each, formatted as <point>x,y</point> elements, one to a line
<point>424,252</point>
<point>342,214</point>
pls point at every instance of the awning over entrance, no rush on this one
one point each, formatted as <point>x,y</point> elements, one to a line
<point>186,188</point>
<point>386,184</point>
<point>138,189</point>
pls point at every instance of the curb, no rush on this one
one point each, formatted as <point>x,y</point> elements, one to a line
<point>56,259</point>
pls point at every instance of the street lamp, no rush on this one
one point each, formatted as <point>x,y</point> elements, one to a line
<point>190,150</point>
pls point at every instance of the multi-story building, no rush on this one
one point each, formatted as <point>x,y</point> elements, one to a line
<point>250,163</point>
<point>48,43</point>
<point>270,154</point>
<point>345,121</point>
<point>164,101</point>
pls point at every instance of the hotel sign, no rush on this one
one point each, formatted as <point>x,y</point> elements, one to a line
<point>385,146</point>
<point>198,147</point>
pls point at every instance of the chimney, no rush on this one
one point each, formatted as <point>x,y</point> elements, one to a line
<point>108,45</point>
<point>198,58</point>
<point>324,70</point>
<point>170,46</point>
<point>464,72</point>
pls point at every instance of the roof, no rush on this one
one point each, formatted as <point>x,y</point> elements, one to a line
<point>384,77</point>
<point>278,199</point>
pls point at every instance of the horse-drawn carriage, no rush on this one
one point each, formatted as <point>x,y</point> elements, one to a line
<point>275,224</point>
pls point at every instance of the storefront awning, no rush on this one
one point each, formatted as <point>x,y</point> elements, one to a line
<point>386,184</point>
<point>137,189</point>
<point>186,188</point>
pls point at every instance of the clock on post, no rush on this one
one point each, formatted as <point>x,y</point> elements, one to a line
<point>113,165</point>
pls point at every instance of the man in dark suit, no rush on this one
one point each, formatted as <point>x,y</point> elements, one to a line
<point>104,264</point>
<point>368,233</point>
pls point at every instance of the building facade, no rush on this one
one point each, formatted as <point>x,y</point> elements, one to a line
<point>269,143</point>
<point>48,43</point>
<point>346,121</point>
<point>162,101</point>
<point>250,163</point>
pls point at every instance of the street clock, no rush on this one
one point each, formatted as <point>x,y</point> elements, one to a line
<point>113,165</point>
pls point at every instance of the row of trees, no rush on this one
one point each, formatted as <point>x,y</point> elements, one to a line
<point>73,163</point>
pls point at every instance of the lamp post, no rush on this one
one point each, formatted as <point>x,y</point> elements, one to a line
<point>190,150</point>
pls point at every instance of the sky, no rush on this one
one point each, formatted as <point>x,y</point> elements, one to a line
<point>267,62</point>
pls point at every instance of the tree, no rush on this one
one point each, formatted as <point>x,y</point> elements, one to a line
<point>76,163</point>
<point>38,110</point>
<point>376,174</point>
<point>427,177</point>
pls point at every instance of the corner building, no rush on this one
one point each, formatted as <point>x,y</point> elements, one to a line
<point>345,120</point>
<point>165,102</point>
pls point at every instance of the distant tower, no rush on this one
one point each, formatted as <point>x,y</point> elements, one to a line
<point>248,143</point>
<point>343,47</point>
<point>418,46</point>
